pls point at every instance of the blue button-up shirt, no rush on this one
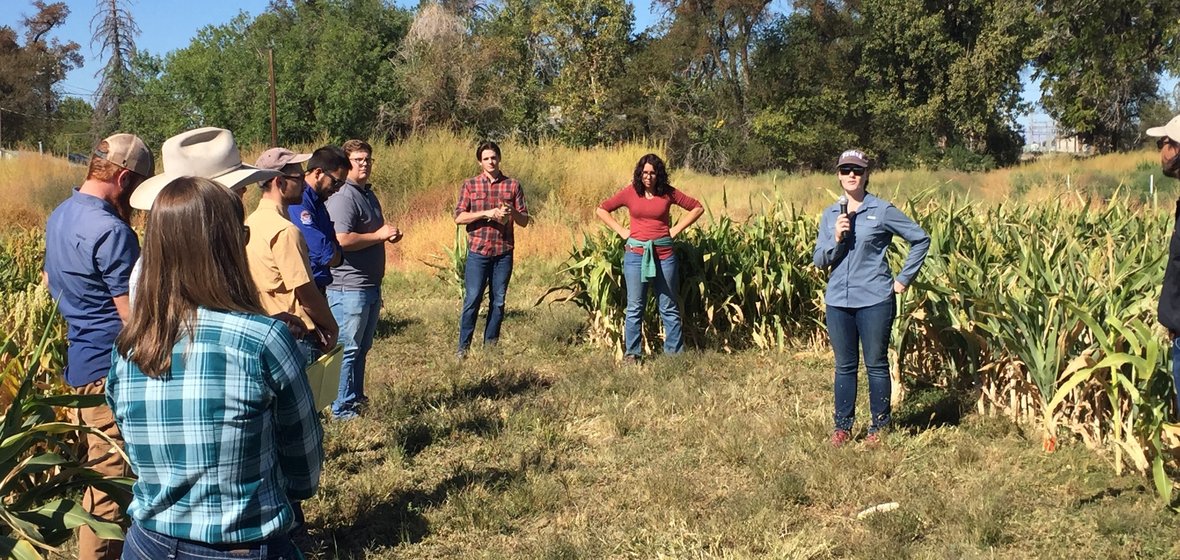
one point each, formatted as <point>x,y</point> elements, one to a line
<point>227,439</point>
<point>311,217</point>
<point>860,277</point>
<point>89,252</point>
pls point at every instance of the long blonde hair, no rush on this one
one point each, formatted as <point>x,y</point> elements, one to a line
<point>193,256</point>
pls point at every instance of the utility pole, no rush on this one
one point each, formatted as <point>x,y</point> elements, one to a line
<point>274,125</point>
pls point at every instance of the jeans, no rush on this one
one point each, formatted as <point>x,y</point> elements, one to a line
<point>310,348</point>
<point>143,544</point>
<point>356,311</point>
<point>1176,373</point>
<point>870,328</point>
<point>665,284</point>
<point>478,273</point>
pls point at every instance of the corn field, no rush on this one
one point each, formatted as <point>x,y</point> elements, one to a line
<point>1045,314</point>
<point>27,314</point>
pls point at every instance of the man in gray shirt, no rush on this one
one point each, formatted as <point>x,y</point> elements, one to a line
<point>355,292</point>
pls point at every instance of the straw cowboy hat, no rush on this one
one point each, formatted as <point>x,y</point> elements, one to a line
<point>204,152</point>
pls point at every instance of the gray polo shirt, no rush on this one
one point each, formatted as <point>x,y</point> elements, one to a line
<point>355,209</point>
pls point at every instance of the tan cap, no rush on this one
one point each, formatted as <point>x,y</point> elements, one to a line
<point>278,158</point>
<point>853,157</point>
<point>1171,130</point>
<point>127,151</point>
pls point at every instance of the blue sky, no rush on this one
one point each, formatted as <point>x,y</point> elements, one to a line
<point>166,25</point>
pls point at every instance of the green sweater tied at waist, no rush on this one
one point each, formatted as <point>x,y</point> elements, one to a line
<point>649,254</point>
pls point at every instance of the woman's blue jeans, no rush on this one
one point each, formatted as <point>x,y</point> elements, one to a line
<point>665,284</point>
<point>142,544</point>
<point>852,330</point>
<point>478,274</point>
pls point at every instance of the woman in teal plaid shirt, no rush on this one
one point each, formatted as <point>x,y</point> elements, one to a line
<point>209,393</point>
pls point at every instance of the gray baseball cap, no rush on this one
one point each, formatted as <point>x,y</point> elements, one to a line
<point>853,157</point>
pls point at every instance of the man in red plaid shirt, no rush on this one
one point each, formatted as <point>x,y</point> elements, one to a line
<point>490,205</point>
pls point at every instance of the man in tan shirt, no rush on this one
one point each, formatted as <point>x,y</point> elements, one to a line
<point>277,255</point>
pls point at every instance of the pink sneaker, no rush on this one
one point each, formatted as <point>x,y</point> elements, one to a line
<point>873,440</point>
<point>840,437</point>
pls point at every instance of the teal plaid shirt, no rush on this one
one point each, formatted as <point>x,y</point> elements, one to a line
<point>228,439</point>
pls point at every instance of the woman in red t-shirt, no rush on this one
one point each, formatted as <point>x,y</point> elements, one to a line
<point>649,258</point>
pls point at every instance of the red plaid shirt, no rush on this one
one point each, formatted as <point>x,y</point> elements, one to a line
<point>489,237</point>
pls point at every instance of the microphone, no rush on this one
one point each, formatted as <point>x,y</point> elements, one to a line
<point>843,202</point>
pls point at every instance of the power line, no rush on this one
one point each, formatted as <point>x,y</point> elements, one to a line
<point>43,117</point>
<point>82,89</point>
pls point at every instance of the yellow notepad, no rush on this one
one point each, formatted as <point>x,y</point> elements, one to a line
<point>324,377</point>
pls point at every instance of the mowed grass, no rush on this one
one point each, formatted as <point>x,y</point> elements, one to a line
<point>545,448</point>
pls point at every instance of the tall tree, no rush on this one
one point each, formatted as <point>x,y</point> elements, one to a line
<point>1098,63</point>
<point>30,73</point>
<point>157,105</point>
<point>521,66</point>
<point>114,30</point>
<point>809,98</point>
<point>944,75</point>
<point>335,67</point>
<point>448,79</point>
<point>721,34</point>
<point>587,40</point>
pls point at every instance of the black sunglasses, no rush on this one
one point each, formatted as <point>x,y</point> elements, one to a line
<point>336,183</point>
<point>852,170</point>
<point>1164,141</point>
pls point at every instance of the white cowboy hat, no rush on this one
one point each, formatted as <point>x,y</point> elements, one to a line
<point>204,152</point>
<point>1170,130</point>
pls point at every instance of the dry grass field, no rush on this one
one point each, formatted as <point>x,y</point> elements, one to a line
<point>418,181</point>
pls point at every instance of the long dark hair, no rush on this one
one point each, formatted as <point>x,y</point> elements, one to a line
<point>662,187</point>
<point>194,255</point>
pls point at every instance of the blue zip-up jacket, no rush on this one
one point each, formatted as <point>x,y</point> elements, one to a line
<point>311,217</point>
<point>860,277</point>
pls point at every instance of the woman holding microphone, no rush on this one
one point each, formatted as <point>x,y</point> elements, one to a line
<point>648,259</point>
<point>854,235</point>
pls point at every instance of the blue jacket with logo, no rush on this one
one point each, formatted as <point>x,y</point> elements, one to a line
<point>312,219</point>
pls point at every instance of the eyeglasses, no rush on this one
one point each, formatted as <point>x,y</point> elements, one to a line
<point>1163,141</point>
<point>852,170</point>
<point>361,160</point>
<point>246,234</point>
<point>336,183</point>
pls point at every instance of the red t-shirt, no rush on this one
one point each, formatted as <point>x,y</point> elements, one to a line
<point>650,217</point>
